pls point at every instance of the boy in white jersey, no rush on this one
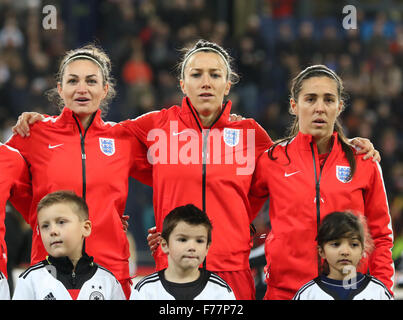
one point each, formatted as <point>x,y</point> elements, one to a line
<point>68,273</point>
<point>186,238</point>
<point>343,239</point>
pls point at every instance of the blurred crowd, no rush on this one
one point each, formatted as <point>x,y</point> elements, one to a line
<point>270,41</point>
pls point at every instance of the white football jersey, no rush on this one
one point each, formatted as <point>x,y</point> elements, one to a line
<point>209,286</point>
<point>370,289</point>
<point>4,289</point>
<point>38,283</point>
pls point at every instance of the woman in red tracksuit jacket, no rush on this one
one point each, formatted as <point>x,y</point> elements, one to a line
<point>14,186</point>
<point>78,151</point>
<point>310,174</point>
<point>200,157</point>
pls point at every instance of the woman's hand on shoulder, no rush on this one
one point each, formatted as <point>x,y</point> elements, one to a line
<point>235,117</point>
<point>24,121</point>
<point>365,146</point>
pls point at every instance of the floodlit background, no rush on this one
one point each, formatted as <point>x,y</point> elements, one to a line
<point>270,40</point>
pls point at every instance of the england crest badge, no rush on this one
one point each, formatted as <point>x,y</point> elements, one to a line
<point>343,173</point>
<point>231,136</point>
<point>107,146</point>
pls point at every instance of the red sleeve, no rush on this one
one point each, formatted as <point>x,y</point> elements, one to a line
<point>141,126</point>
<point>141,169</point>
<point>19,143</point>
<point>21,193</point>
<point>380,226</point>
<point>263,140</point>
<point>21,190</point>
<point>262,143</point>
<point>259,190</point>
<point>139,129</point>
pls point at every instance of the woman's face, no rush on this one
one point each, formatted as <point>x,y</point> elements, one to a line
<point>318,106</point>
<point>82,88</point>
<point>205,82</point>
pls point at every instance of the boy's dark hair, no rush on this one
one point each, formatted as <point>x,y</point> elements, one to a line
<point>78,204</point>
<point>189,214</point>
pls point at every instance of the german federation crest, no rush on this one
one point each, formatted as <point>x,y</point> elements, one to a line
<point>343,173</point>
<point>231,136</point>
<point>107,146</point>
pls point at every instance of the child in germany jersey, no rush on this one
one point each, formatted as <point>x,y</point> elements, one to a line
<point>343,240</point>
<point>68,273</point>
<point>186,238</point>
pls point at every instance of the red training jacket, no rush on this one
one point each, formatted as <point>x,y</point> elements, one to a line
<point>95,163</point>
<point>14,186</point>
<point>207,167</point>
<point>294,191</point>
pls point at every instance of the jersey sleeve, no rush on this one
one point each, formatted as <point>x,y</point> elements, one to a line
<point>258,192</point>
<point>4,289</point>
<point>228,295</point>
<point>141,168</point>
<point>136,295</point>
<point>141,126</point>
<point>380,226</point>
<point>117,291</point>
<point>21,192</point>
<point>23,289</point>
<point>139,129</point>
<point>19,143</point>
<point>263,140</point>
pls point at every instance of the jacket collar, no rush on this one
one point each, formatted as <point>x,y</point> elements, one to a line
<point>191,118</point>
<point>64,264</point>
<point>68,117</point>
<point>304,140</point>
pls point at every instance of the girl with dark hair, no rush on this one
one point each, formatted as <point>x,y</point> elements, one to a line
<point>343,239</point>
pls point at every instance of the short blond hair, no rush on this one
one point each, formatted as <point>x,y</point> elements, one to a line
<point>77,204</point>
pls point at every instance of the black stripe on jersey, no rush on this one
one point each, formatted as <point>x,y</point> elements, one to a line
<point>110,272</point>
<point>303,288</point>
<point>217,280</point>
<point>2,276</point>
<point>375,280</point>
<point>32,268</point>
<point>103,268</point>
<point>148,279</point>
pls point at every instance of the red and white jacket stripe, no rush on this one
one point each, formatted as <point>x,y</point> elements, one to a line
<point>294,188</point>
